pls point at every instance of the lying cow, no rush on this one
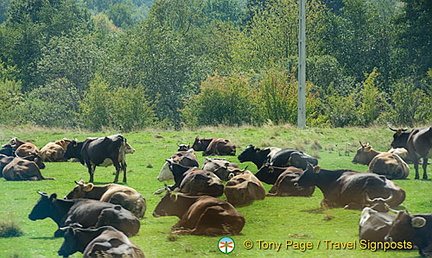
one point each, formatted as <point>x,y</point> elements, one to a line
<point>214,146</point>
<point>200,182</point>
<point>102,151</point>
<point>20,148</point>
<point>200,215</point>
<point>88,213</point>
<point>416,228</point>
<point>54,151</point>
<point>122,195</point>
<point>24,169</point>
<point>244,189</point>
<point>257,156</point>
<point>347,188</point>
<point>269,174</point>
<point>285,184</point>
<point>387,164</point>
<point>221,167</point>
<point>375,221</point>
<point>401,152</point>
<point>104,241</point>
<point>282,159</point>
<point>185,158</point>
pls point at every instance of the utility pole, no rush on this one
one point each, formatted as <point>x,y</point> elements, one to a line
<point>301,109</point>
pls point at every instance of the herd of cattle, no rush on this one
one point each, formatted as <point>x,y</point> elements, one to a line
<point>98,220</point>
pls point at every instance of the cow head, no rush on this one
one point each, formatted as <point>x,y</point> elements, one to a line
<point>403,227</point>
<point>201,144</point>
<point>364,154</point>
<point>166,205</point>
<point>72,240</point>
<point>43,207</point>
<point>248,152</point>
<point>183,147</point>
<point>80,190</point>
<point>308,178</point>
<point>400,137</point>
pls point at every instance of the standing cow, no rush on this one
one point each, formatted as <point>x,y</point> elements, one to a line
<point>418,142</point>
<point>102,151</point>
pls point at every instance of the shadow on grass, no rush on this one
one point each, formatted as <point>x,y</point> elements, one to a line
<point>45,238</point>
<point>314,211</point>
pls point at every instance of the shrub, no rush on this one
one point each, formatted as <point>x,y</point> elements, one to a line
<point>10,229</point>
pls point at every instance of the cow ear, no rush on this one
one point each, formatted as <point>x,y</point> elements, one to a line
<point>418,222</point>
<point>53,197</point>
<point>317,169</point>
<point>88,187</point>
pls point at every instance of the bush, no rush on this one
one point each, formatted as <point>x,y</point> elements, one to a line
<point>10,229</point>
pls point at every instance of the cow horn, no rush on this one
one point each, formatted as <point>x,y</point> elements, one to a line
<point>388,198</point>
<point>394,130</point>
<point>368,199</point>
<point>361,144</point>
<point>42,193</point>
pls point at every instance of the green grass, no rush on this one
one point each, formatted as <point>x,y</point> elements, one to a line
<point>274,219</point>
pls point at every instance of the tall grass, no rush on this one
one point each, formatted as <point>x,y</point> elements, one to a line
<point>300,220</point>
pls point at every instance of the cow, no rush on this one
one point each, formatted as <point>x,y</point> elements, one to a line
<point>269,174</point>
<point>52,152</point>
<point>102,151</point>
<point>419,145</point>
<point>387,164</point>
<point>375,221</point>
<point>348,188</point>
<point>401,152</point>
<point>200,215</point>
<point>282,158</point>
<point>19,148</point>
<point>257,156</point>
<point>24,169</point>
<point>221,167</point>
<point>285,184</point>
<point>415,228</point>
<point>7,150</point>
<point>104,241</point>
<point>244,189</point>
<point>185,158</point>
<point>183,147</point>
<point>122,195</point>
<point>88,213</point>
<point>196,181</point>
<point>214,146</point>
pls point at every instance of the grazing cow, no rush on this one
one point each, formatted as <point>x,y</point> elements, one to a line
<point>185,158</point>
<point>200,182</point>
<point>416,228</point>
<point>104,241</point>
<point>348,189</point>
<point>200,215</point>
<point>214,146</point>
<point>244,189</point>
<point>221,167</point>
<point>24,169</point>
<point>87,213</point>
<point>419,145</point>
<point>285,184</point>
<point>387,164</point>
<point>282,158</point>
<point>375,221</point>
<point>257,156</point>
<point>122,195</point>
<point>102,151</point>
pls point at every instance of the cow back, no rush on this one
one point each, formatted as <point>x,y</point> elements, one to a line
<point>244,189</point>
<point>389,165</point>
<point>285,185</point>
<point>201,182</point>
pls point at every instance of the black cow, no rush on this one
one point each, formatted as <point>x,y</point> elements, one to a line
<point>282,158</point>
<point>7,150</point>
<point>418,143</point>
<point>102,151</point>
<point>415,228</point>
<point>256,155</point>
<point>104,241</point>
<point>87,213</point>
<point>269,174</point>
<point>350,189</point>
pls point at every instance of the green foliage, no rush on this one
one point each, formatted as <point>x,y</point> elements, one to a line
<point>370,102</point>
<point>123,109</point>
<point>341,110</point>
<point>221,101</point>
<point>10,229</point>
<point>52,105</point>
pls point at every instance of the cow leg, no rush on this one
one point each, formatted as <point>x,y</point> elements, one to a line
<point>425,163</point>
<point>416,164</point>
<point>91,170</point>
<point>117,167</point>
<point>124,171</point>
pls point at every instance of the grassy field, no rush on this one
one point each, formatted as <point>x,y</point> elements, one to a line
<point>298,220</point>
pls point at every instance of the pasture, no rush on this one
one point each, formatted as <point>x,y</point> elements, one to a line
<point>298,220</point>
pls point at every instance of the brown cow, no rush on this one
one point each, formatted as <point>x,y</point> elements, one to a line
<point>21,169</point>
<point>387,164</point>
<point>200,182</point>
<point>52,152</point>
<point>285,184</point>
<point>21,148</point>
<point>221,167</point>
<point>104,241</point>
<point>214,146</point>
<point>125,196</point>
<point>200,215</point>
<point>244,189</point>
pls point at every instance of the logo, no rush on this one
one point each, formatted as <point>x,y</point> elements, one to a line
<point>226,245</point>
